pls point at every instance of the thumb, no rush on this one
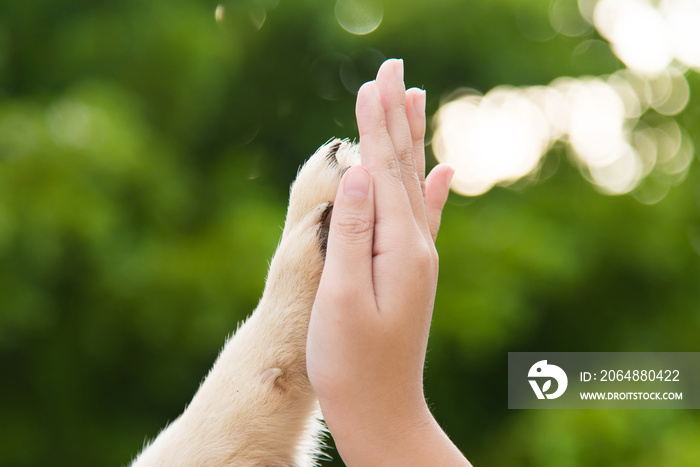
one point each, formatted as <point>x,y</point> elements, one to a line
<point>351,234</point>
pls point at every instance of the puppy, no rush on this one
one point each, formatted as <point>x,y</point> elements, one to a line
<point>256,406</point>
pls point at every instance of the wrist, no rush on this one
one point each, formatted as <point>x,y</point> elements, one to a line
<point>413,439</point>
<point>404,433</point>
<point>370,437</point>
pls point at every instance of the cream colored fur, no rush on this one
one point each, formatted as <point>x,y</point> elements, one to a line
<point>256,406</point>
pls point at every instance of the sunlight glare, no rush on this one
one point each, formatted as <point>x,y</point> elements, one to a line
<point>637,32</point>
<point>470,136</point>
<point>596,119</point>
<point>683,17</point>
<point>500,137</point>
<point>648,36</point>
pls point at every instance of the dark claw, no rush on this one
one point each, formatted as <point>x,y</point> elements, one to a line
<point>324,228</point>
<point>331,156</point>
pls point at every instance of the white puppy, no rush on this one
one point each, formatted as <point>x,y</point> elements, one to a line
<point>256,406</point>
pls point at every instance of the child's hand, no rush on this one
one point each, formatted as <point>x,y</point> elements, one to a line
<point>369,326</point>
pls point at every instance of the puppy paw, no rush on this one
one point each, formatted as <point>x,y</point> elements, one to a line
<point>317,183</point>
<point>296,268</point>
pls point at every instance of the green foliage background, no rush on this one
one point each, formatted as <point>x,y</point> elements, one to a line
<point>145,155</point>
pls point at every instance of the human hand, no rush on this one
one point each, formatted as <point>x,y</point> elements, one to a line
<point>369,326</point>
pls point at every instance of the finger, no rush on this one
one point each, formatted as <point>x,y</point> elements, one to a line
<point>393,96</point>
<point>377,152</point>
<point>415,112</point>
<point>351,234</point>
<point>437,188</point>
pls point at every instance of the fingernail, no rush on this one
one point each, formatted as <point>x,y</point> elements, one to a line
<point>398,69</point>
<point>451,174</point>
<point>419,102</point>
<point>356,182</point>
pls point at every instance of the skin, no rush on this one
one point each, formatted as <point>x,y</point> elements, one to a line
<point>371,318</point>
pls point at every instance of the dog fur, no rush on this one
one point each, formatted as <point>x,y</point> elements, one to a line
<point>256,406</point>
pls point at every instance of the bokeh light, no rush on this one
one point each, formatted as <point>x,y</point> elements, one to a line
<point>637,32</point>
<point>219,13</point>
<point>253,12</point>
<point>565,19</point>
<point>502,136</point>
<point>616,129</point>
<point>470,138</point>
<point>359,16</point>
<point>647,36</point>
